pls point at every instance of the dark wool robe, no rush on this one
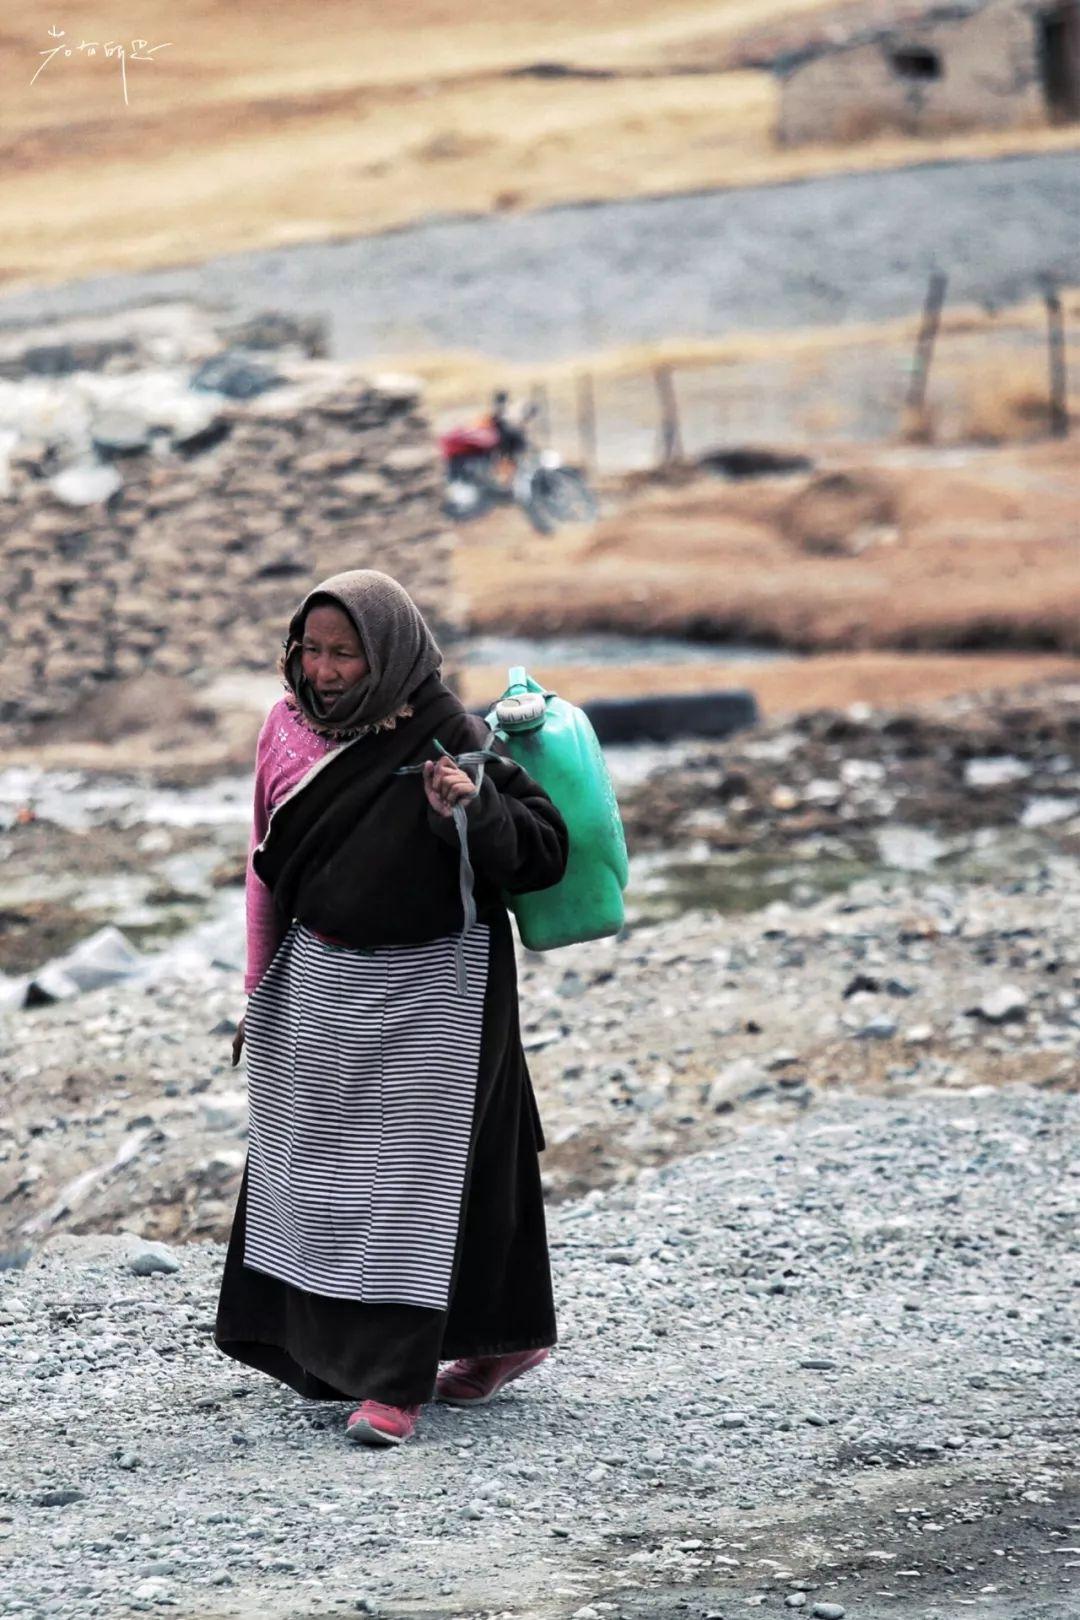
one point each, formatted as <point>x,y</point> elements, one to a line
<point>356,856</point>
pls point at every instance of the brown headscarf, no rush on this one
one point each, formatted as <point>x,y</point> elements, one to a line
<point>399,648</point>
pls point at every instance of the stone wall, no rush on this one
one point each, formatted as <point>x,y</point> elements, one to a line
<point>194,564</point>
<point>980,71</point>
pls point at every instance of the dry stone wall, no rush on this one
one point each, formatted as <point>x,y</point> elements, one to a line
<point>194,563</point>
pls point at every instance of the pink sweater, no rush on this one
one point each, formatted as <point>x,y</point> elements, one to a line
<point>286,751</point>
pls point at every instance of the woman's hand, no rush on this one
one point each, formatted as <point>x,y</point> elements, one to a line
<point>238,1043</point>
<point>446,785</point>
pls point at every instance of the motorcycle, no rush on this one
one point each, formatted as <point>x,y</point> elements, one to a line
<point>548,491</point>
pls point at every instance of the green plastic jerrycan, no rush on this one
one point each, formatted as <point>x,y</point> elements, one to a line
<point>556,744</point>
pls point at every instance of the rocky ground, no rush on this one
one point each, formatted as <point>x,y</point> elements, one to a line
<point>813,1179</point>
<point>944,781</point>
<point>828,1369</point>
<point>846,901</point>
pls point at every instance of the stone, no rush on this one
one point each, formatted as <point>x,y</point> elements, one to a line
<point>398,389</point>
<point>146,1258</point>
<point>86,484</point>
<point>409,459</point>
<point>335,459</point>
<point>1007,1004</point>
<point>361,486</point>
<point>737,1082</point>
<point>909,849</point>
<point>225,1110</point>
<point>881,1028</point>
<point>828,1611</point>
<point>1044,811</point>
<point>120,432</point>
<point>999,771</point>
<point>235,375</point>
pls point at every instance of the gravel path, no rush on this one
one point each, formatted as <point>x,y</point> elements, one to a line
<point>838,1357</point>
<point>850,247</point>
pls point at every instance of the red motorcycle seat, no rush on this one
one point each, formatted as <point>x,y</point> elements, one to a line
<point>468,441</point>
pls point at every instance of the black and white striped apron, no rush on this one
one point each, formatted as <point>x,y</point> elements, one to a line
<point>362,1075</point>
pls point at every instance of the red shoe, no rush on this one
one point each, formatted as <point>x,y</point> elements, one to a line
<point>375,1424</point>
<point>476,1379</point>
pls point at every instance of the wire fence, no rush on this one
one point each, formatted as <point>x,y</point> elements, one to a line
<point>991,378</point>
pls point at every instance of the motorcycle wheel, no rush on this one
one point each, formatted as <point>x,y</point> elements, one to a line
<point>465,500</point>
<point>536,510</point>
<point>569,497</point>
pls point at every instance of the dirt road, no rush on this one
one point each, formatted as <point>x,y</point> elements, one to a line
<point>834,1359</point>
<point>536,285</point>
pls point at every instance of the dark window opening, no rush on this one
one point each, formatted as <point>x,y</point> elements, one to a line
<point>1059,56</point>
<point>916,62</point>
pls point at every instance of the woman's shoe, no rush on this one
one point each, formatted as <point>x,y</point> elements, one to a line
<point>476,1379</point>
<point>374,1424</point>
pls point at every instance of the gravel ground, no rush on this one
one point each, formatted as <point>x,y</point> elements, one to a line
<point>913,917</point>
<point>850,247</point>
<point>837,1358</point>
<point>121,1107</point>
<point>818,1302</point>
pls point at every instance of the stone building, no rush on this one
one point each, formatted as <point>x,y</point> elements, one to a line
<point>970,64</point>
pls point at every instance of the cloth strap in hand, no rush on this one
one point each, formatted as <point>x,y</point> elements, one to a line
<point>466,876</point>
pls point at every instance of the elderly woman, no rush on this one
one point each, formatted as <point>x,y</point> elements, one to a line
<point>390,1214</point>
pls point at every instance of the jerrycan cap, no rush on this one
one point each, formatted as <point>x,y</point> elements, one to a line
<point>522,705</point>
<point>521,711</point>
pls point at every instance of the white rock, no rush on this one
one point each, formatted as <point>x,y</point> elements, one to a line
<point>995,772</point>
<point>85,484</point>
<point>1044,811</point>
<point>909,849</point>
<point>1005,1005</point>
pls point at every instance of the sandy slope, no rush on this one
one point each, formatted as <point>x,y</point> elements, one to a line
<point>252,128</point>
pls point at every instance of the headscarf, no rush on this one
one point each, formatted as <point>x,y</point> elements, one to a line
<point>400,650</point>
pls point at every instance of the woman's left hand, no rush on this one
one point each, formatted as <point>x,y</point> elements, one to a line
<point>446,785</point>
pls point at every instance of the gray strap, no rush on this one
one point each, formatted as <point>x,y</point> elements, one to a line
<point>466,876</point>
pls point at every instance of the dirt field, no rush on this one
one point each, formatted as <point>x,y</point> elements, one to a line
<point>250,129</point>
<point>977,556</point>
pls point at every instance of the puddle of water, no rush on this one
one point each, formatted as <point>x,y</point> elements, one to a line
<point>77,802</point>
<point>664,887</point>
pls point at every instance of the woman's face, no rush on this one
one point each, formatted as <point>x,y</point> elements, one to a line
<point>331,656</point>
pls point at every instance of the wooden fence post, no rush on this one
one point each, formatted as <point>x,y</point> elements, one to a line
<point>1059,382</point>
<point>915,408</point>
<point>586,421</point>
<point>670,445</point>
<point>541,408</point>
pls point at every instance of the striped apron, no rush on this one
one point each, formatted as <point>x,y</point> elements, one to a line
<point>362,1075</point>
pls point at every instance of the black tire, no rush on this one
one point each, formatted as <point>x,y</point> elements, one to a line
<point>569,497</point>
<point>537,507</point>
<point>538,515</point>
